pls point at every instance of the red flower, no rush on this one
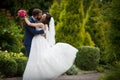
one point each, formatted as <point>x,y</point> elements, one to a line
<point>22,13</point>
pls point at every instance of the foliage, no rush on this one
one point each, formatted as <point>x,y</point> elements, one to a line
<point>15,5</point>
<point>100,69</point>
<point>70,28</point>
<point>73,70</point>
<point>115,29</point>
<point>96,26</point>
<point>112,15</point>
<point>10,34</point>
<point>12,64</point>
<point>21,61</point>
<point>104,67</point>
<point>106,1</point>
<point>113,74</point>
<point>55,10</point>
<point>8,67</point>
<point>87,58</point>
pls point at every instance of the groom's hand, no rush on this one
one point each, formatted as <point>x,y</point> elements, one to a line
<point>43,35</point>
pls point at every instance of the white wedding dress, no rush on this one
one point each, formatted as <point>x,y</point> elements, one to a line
<point>48,60</point>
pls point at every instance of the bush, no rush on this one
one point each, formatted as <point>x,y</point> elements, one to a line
<point>73,70</point>
<point>12,64</point>
<point>8,67</point>
<point>100,69</point>
<point>11,34</point>
<point>113,74</point>
<point>87,58</point>
<point>21,65</point>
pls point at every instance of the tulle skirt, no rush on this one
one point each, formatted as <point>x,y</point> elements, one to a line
<point>46,62</point>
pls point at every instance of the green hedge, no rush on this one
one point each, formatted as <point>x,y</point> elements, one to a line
<point>8,67</point>
<point>113,73</point>
<point>12,64</point>
<point>21,65</point>
<point>87,58</point>
<point>73,70</point>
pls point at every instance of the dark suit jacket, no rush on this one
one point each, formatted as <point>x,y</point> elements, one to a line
<point>29,34</point>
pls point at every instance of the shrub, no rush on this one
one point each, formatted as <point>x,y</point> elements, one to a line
<point>113,74</point>
<point>12,64</point>
<point>10,34</point>
<point>8,67</point>
<point>21,65</point>
<point>100,68</point>
<point>2,56</point>
<point>87,58</point>
<point>73,70</point>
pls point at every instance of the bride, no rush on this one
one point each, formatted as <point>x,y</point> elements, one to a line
<point>48,60</point>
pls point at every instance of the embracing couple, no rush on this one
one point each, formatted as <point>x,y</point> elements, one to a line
<point>47,59</point>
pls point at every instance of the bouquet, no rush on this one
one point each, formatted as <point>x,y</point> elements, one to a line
<point>22,13</point>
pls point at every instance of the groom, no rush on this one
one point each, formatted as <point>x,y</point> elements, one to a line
<point>31,31</point>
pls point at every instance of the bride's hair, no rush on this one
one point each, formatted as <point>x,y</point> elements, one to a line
<point>47,19</point>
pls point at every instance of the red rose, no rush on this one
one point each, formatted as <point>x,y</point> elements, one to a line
<point>22,13</point>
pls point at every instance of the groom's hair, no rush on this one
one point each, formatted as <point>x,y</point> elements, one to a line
<point>36,12</point>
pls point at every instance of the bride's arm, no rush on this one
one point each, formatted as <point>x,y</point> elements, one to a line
<point>41,25</point>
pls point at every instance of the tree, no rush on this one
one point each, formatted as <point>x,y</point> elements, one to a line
<point>10,34</point>
<point>55,10</point>
<point>71,25</point>
<point>96,26</point>
<point>113,16</point>
<point>15,5</point>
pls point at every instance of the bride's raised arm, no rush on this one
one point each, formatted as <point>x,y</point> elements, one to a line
<point>41,25</point>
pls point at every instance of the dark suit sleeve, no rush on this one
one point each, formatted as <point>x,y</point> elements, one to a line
<point>34,31</point>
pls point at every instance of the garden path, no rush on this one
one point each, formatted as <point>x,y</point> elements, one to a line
<point>92,75</point>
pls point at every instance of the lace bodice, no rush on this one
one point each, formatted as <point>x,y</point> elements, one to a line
<point>50,34</point>
<point>37,28</point>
